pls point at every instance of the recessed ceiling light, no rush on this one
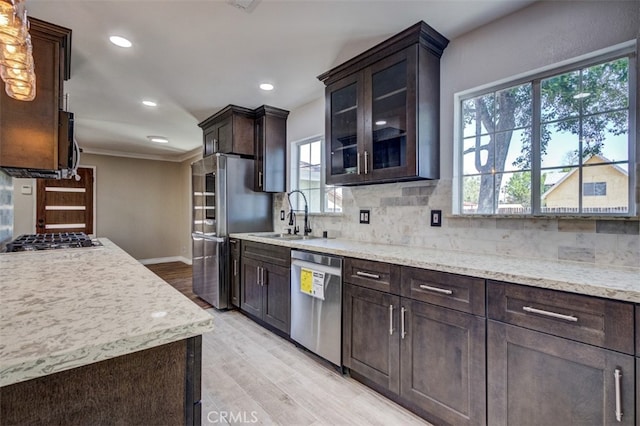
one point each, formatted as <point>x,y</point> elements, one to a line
<point>380,123</point>
<point>158,139</point>
<point>120,41</point>
<point>266,86</point>
<point>149,103</point>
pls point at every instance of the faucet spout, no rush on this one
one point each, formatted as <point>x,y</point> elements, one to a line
<point>307,228</point>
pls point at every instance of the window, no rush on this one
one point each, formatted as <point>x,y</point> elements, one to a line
<point>591,189</point>
<point>551,143</point>
<point>308,177</point>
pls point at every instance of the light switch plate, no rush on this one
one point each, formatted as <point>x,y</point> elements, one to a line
<point>365,215</point>
<point>436,217</point>
<point>25,189</point>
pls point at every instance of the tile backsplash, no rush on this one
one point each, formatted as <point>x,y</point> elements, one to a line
<point>400,214</point>
<point>6,209</point>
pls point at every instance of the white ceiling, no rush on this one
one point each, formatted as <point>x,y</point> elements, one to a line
<point>195,57</point>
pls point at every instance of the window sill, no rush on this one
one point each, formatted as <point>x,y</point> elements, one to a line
<point>540,217</point>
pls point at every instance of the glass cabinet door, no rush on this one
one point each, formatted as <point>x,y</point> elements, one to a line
<point>344,116</point>
<point>389,117</point>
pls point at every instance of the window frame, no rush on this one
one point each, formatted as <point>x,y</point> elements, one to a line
<point>627,49</point>
<point>294,167</point>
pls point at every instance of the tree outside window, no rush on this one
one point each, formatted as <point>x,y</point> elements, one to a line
<point>526,148</point>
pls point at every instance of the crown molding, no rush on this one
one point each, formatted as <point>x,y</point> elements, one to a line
<point>176,158</point>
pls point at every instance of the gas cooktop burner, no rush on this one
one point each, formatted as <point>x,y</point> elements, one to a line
<point>52,241</point>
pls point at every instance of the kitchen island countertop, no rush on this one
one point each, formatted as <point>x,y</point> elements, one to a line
<point>62,309</point>
<point>575,277</point>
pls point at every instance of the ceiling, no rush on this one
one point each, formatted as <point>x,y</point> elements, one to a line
<point>195,57</point>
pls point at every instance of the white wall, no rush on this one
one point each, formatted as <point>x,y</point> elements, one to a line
<point>542,34</point>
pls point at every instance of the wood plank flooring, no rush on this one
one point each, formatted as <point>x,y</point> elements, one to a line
<point>250,375</point>
<point>178,274</point>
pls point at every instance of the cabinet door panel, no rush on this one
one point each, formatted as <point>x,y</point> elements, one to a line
<point>251,292</point>
<point>390,141</point>
<point>344,122</point>
<point>234,271</point>
<point>539,379</point>
<point>277,296</point>
<point>443,363</point>
<point>369,346</point>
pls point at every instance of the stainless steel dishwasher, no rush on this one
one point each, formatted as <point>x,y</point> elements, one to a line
<point>316,303</point>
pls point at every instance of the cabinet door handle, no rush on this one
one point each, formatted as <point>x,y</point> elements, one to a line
<point>402,331</point>
<point>436,289</point>
<point>358,162</point>
<point>367,275</point>
<point>259,179</point>
<point>215,145</point>
<point>259,271</point>
<point>263,280</point>
<point>390,320</point>
<point>235,267</point>
<point>366,162</point>
<point>617,374</point>
<point>570,318</point>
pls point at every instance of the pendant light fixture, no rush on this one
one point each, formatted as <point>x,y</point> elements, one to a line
<point>16,52</point>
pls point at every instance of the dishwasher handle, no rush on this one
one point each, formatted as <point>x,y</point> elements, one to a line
<point>316,267</point>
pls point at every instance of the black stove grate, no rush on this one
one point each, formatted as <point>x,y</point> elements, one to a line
<point>50,241</point>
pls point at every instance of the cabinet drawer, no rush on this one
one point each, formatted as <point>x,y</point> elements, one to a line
<point>276,255</point>
<point>600,322</point>
<point>375,275</point>
<point>460,292</point>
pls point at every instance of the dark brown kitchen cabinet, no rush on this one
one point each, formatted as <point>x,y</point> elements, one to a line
<point>558,358</point>
<point>29,130</point>
<point>270,149</point>
<point>229,131</point>
<point>371,336</point>
<point>265,284</point>
<point>539,379</point>
<point>430,357</point>
<point>382,111</point>
<point>234,271</point>
<point>442,363</point>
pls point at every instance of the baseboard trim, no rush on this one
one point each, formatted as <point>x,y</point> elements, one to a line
<point>155,260</point>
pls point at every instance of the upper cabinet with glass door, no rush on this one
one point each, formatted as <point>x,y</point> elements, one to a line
<point>382,111</point>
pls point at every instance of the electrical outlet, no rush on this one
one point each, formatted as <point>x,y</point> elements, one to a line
<point>281,214</point>
<point>365,216</point>
<point>436,217</point>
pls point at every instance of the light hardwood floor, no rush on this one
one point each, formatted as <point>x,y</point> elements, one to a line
<point>251,375</point>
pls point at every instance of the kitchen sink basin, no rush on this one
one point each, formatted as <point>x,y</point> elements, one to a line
<point>285,236</point>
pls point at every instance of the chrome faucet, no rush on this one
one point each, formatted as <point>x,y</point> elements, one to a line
<point>292,215</point>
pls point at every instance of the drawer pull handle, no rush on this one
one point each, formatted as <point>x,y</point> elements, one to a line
<point>402,331</point>
<point>390,320</point>
<point>550,314</point>
<point>617,374</point>
<point>436,289</point>
<point>367,275</point>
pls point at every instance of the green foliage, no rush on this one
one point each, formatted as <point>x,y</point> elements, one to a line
<point>592,103</point>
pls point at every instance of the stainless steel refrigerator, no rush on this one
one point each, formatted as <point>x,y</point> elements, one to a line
<point>223,202</point>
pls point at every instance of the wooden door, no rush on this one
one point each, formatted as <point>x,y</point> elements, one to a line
<point>443,363</point>
<point>538,379</point>
<point>65,205</point>
<point>251,291</point>
<point>371,335</point>
<point>276,302</point>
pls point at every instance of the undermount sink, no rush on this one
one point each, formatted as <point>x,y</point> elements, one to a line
<point>285,236</point>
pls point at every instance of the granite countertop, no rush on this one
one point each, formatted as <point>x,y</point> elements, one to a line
<point>61,309</point>
<point>610,282</point>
